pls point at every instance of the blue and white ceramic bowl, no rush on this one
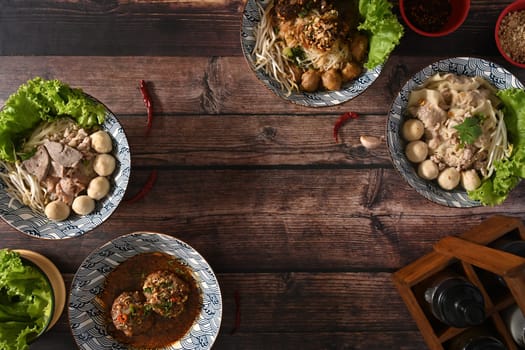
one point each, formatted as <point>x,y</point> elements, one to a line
<point>250,20</point>
<point>86,315</point>
<point>37,225</point>
<point>499,77</point>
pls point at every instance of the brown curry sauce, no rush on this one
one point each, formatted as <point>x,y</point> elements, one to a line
<point>129,276</point>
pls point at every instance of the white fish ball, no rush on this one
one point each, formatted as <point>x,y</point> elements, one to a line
<point>98,188</point>
<point>416,151</point>
<point>449,179</point>
<point>104,164</point>
<point>428,170</point>
<point>101,141</point>
<point>413,129</point>
<point>470,180</point>
<point>83,205</point>
<point>57,210</point>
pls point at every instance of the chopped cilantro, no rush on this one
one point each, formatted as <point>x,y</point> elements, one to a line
<point>469,130</point>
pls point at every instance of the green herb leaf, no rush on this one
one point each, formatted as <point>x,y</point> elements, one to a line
<point>469,130</point>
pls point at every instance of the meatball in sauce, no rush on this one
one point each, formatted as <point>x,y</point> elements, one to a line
<point>150,300</point>
<point>130,315</point>
<point>166,293</point>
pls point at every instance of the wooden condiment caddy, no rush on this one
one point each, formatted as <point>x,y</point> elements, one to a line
<point>471,255</point>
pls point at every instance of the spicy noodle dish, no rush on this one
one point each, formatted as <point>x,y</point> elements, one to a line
<point>313,45</point>
<point>55,157</point>
<point>150,300</point>
<point>462,132</point>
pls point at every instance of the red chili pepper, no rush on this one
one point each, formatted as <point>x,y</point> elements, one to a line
<point>342,119</point>
<point>147,103</point>
<point>237,324</point>
<point>145,189</point>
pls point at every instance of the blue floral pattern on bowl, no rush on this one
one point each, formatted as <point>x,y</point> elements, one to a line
<point>22,218</point>
<point>86,315</point>
<point>250,20</point>
<point>499,77</point>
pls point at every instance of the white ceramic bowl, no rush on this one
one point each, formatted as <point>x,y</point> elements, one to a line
<point>86,316</point>
<point>54,277</point>
<point>469,66</point>
<point>250,19</point>
<point>27,221</point>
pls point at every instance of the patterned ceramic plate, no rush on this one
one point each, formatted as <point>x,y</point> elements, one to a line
<point>86,317</point>
<point>250,19</point>
<point>27,221</point>
<point>496,75</point>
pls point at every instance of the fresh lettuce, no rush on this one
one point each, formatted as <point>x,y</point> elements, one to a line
<point>384,28</point>
<point>508,172</point>
<point>25,302</point>
<point>39,100</point>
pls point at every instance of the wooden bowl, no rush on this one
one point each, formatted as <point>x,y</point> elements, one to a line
<point>55,280</point>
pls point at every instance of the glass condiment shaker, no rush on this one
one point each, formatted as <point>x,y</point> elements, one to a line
<point>516,247</point>
<point>456,302</point>
<point>515,322</point>
<point>476,339</point>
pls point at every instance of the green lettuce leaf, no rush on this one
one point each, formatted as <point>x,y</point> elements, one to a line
<point>39,100</point>
<point>508,172</point>
<point>25,302</point>
<point>384,28</point>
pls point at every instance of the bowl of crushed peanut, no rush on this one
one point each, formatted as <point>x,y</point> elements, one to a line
<point>509,33</point>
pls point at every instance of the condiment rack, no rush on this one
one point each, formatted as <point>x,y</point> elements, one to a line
<point>472,255</point>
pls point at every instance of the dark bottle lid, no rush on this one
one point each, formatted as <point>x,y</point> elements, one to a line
<point>512,247</point>
<point>458,303</point>
<point>485,343</point>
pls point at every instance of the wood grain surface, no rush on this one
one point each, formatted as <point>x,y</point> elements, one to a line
<point>305,230</point>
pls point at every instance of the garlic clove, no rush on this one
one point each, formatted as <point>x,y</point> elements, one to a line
<point>370,142</point>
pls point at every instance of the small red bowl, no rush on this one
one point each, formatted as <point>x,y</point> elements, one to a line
<point>515,6</point>
<point>460,9</point>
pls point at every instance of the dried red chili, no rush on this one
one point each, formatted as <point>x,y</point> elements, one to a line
<point>237,324</point>
<point>342,119</point>
<point>152,178</point>
<point>148,103</point>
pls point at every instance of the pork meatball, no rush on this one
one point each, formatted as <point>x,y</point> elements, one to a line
<point>98,188</point>
<point>449,179</point>
<point>101,141</point>
<point>310,80</point>
<point>166,293</point>
<point>57,210</point>
<point>129,313</point>
<point>83,205</point>
<point>104,164</point>
<point>416,151</point>
<point>351,71</point>
<point>413,129</point>
<point>332,79</point>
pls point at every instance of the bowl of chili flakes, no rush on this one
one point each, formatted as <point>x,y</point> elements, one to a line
<point>434,18</point>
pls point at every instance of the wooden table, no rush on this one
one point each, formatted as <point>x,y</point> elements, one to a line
<point>306,231</point>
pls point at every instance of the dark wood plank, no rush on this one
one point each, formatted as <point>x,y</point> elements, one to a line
<point>340,305</point>
<point>198,85</point>
<point>282,220</point>
<point>197,28</point>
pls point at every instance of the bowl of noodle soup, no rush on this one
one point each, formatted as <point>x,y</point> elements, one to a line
<point>36,224</point>
<point>257,25</point>
<point>466,73</point>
